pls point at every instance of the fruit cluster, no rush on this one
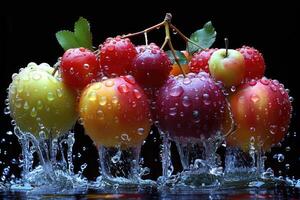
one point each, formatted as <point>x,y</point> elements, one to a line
<point>119,90</point>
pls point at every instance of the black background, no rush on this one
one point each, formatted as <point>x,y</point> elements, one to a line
<point>30,36</point>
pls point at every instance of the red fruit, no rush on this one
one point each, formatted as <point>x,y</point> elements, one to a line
<point>116,55</point>
<point>262,110</point>
<point>254,63</point>
<point>151,67</point>
<point>190,107</point>
<point>199,61</point>
<point>79,67</point>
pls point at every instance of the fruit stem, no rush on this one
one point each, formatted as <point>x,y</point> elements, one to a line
<point>226,46</point>
<point>144,31</point>
<point>146,38</point>
<point>56,66</point>
<point>186,39</point>
<point>168,40</point>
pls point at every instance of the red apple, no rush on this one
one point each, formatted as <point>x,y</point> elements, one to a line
<point>262,110</point>
<point>227,66</point>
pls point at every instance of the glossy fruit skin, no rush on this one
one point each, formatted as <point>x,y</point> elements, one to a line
<point>254,63</point>
<point>79,67</point>
<point>115,112</point>
<point>116,55</point>
<point>261,110</point>
<point>151,67</point>
<point>199,61</point>
<point>229,69</point>
<point>190,107</point>
<point>37,100</point>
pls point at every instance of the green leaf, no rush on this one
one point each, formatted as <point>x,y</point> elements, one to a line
<point>204,37</point>
<point>66,39</point>
<point>181,57</point>
<point>82,33</point>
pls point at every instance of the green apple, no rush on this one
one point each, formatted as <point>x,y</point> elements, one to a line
<point>39,101</point>
<point>228,67</point>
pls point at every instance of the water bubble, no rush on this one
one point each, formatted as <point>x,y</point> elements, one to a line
<point>254,98</point>
<point>36,76</point>
<point>39,104</point>
<point>79,155</point>
<point>86,66</point>
<point>109,83</point>
<point>50,96</point>
<point>100,114</point>
<point>186,102</point>
<point>272,129</point>
<point>130,79</point>
<point>92,96</point>
<point>291,99</point>
<point>42,135</point>
<point>71,70</point>
<point>116,158</point>
<point>141,131</point>
<point>252,82</point>
<point>6,110</point>
<point>123,88</point>
<point>125,137</point>
<point>102,100</point>
<point>233,88</point>
<point>176,91</point>
<point>26,105</point>
<point>279,157</point>
<point>287,148</point>
<point>81,121</point>
<point>59,92</point>
<point>187,81</point>
<point>9,133</point>
<point>252,129</point>
<point>173,111</point>
<point>13,122</point>
<point>137,93</point>
<point>114,100</point>
<point>196,116</point>
<point>206,99</point>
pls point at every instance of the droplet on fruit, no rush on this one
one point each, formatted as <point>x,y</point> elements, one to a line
<point>33,112</point>
<point>233,88</point>
<point>123,88</point>
<point>196,116</point>
<point>252,129</point>
<point>36,76</point>
<point>102,100</point>
<point>114,100</point>
<point>92,96</point>
<point>187,81</point>
<point>264,81</point>
<point>125,137</point>
<point>59,92</point>
<point>140,131</point>
<point>176,91</point>
<point>86,66</point>
<point>130,79</point>
<point>6,110</point>
<point>81,121</point>
<point>50,96</point>
<point>291,99</point>
<point>26,105</point>
<point>71,70</point>
<point>252,82</point>
<point>100,114</point>
<point>137,94</point>
<point>186,102</point>
<point>109,83</point>
<point>254,98</point>
<point>173,111</point>
<point>206,99</point>
<point>39,104</point>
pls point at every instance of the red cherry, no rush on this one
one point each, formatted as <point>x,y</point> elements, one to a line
<point>151,67</point>
<point>191,107</point>
<point>199,61</point>
<point>254,63</point>
<point>116,55</point>
<point>79,67</point>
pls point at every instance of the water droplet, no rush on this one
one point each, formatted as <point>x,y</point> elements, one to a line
<point>186,102</point>
<point>81,121</point>
<point>39,104</point>
<point>86,66</point>
<point>71,70</point>
<point>26,105</point>
<point>36,76</point>
<point>92,96</point>
<point>291,99</point>
<point>252,129</point>
<point>206,99</point>
<point>233,88</point>
<point>33,112</point>
<point>140,131</point>
<point>102,100</point>
<point>254,98</point>
<point>6,110</point>
<point>114,100</point>
<point>130,79</point>
<point>279,157</point>
<point>109,83</point>
<point>252,82</point>
<point>9,133</point>
<point>110,47</point>
<point>100,114</point>
<point>59,92</point>
<point>187,81</point>
<point>272,129</point>
<point>287,148</point>
<point>173,111</point>
<point>176,91</point>
<point>125,137</point>
<point>196,116</point>
<point>50,96</point>
<point>123,88</point>
<point>137,93</point>
<point>13,122</point>
<point>274,88</point>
